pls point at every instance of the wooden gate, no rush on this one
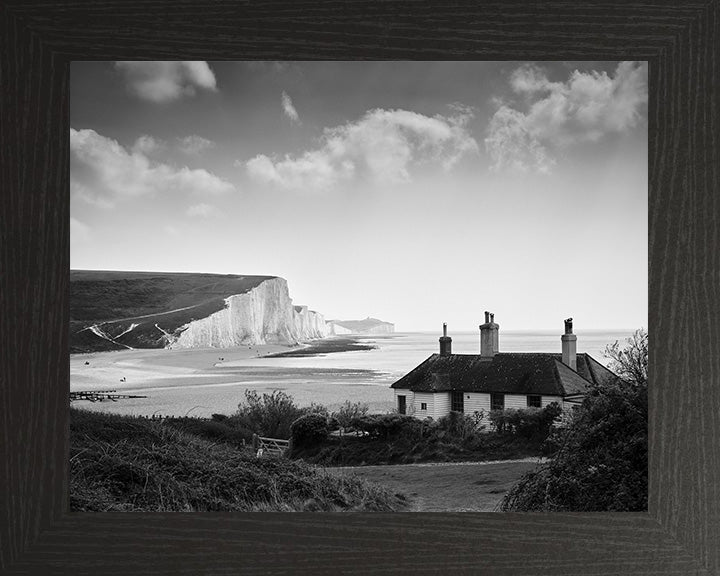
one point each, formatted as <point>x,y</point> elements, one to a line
<point>269,446</point>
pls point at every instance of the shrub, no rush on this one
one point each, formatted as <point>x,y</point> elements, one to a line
<point>530,423</point>
<point>308,430</point>
<point>225,430</point>
<point>389,426</point>
<point>268,415</point>
<point>459,425</point>
<point>348,412</point>
<point>601,462</point>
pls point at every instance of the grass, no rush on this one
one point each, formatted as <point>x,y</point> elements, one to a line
<point>121,463</point>
<point>102,296</point>
<point>351,450</point>
<point>447,487</point>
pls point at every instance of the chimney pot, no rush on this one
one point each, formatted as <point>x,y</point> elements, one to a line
<point>489,336</point>
<point>445,342</point>
<point>569,346</point>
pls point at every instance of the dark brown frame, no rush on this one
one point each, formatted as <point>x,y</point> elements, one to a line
<point>681,532</point>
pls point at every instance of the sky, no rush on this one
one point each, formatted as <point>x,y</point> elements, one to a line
<point>413,192</point>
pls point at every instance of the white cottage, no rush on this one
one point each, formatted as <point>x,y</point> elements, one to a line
<point>494,380</point>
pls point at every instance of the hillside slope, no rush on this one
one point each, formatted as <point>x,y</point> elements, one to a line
<point>121,463</point>
<point>111,310</point>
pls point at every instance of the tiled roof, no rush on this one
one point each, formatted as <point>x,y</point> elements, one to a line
<point>507,372</point>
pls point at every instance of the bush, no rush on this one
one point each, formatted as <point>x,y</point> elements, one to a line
<point>460,426</point>
<point>529,423</point>
<point>225,430</point>
<point>348,412</point>
<point>308,430</point>
<point>269,415</point>
<point>601,462</point>
<point>390,426</point>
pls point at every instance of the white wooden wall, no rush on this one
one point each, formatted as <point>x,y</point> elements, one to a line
<point>438,403</point>
<point>408,399</point>
<point>442,404</point>
<point>476,401</point>
<point>550,399</point>
<point>427,398</point>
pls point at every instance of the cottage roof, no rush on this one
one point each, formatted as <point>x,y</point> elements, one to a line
<point>506,372</point>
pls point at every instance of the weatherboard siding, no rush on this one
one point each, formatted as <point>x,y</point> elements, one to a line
<point>476,402</point>
<point>438,403</point>
<point>546,400</point>
<point>515,401</point>
<point>427,398</point>
<point>442,404</point>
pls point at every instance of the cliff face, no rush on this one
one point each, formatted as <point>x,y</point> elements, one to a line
<point>263,315</point>
<point>309,324</point>
<point>113,310</point>
<point>367,326</point>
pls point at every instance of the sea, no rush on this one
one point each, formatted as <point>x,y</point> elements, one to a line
<point>330,379</point>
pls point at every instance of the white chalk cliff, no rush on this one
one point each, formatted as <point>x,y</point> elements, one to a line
<point>263,315</point>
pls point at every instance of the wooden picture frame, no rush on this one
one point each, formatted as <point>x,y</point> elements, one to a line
<point>680,534</point>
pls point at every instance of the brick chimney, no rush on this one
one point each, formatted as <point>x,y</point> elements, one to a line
<point>489,336</point>
<point>445,342</point>
<point>569,345</point>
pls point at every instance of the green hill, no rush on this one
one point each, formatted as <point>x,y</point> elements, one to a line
<point>111,310</point>
<point>120,463</point>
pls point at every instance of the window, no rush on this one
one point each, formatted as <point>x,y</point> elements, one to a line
<point>401,404</point>
<point>423,405</point>
<point>497,401</point>
<point>534,401</point>
<point>457,403</point>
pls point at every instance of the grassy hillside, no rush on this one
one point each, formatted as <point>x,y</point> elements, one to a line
<point>133,464</point>
<point>365,451</point>
<point>119,300</point>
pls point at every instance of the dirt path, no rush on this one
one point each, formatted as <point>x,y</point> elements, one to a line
<point>447,486</point>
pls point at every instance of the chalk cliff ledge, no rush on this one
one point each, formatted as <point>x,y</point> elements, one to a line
<point>112,310</point>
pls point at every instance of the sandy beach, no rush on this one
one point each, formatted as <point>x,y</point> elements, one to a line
<point>201,382</point>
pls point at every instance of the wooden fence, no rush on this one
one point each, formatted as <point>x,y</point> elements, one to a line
<point>100,396</point>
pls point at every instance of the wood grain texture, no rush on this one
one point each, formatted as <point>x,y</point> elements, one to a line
<point>681,532</point>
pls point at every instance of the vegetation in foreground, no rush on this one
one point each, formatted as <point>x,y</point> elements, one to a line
<point>352,437</point>
<point>403,439</point>
<point>602,456</point>
<point>121,463</point>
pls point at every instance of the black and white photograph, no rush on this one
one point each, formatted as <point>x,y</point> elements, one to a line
<point>367,286</point>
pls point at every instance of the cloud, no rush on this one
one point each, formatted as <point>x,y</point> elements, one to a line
<point>147,145</point>
<point>102,170</point>
<point>288,108</point>
<point>269,66</point>
<point>585,108</point>
<point>194,144</point>
<point>202,210</point>
<point>79,232</point>
<point>166,81</point>
<point>381,146</point>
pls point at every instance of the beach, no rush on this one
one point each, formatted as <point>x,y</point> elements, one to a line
<point>330,371</point>
<point>202,382</point>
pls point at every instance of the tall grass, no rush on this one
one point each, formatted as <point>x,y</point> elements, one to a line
<point>122,463</point>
